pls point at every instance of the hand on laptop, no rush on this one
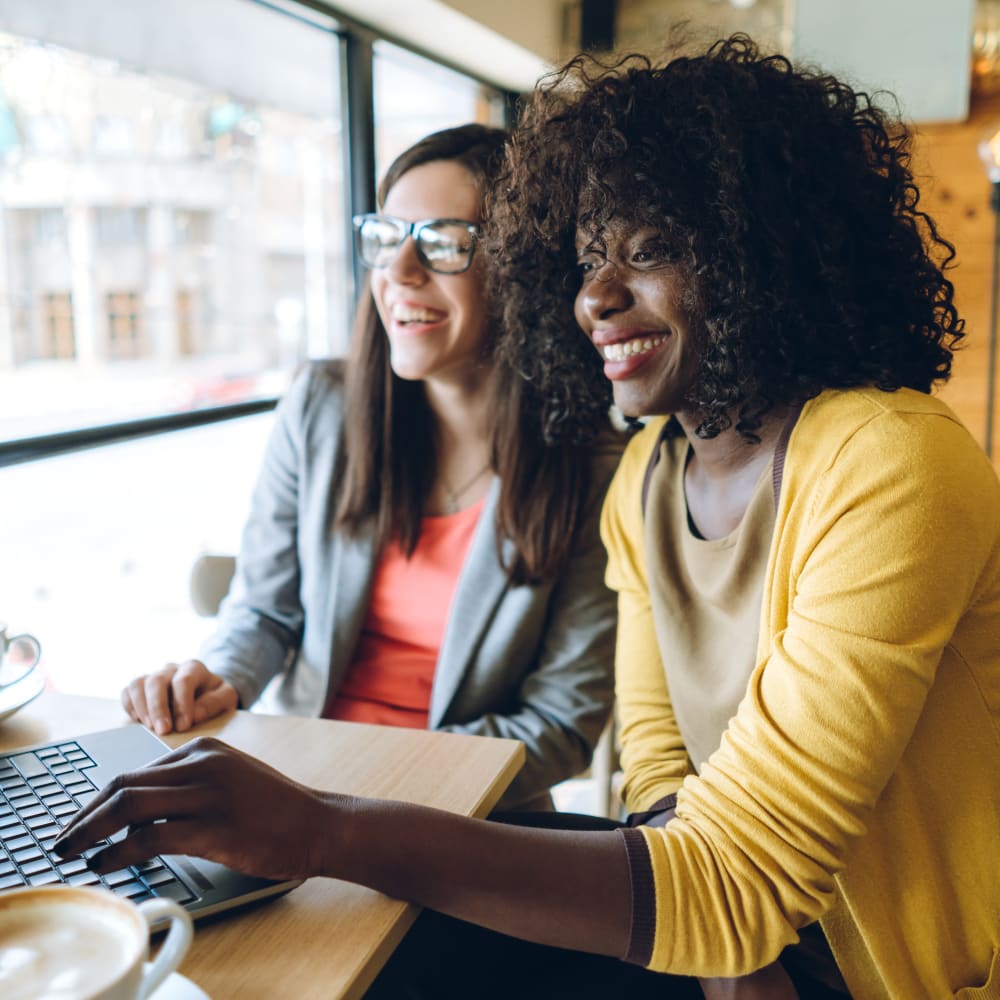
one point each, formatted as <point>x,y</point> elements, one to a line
<point>212,801</point>
<point>178,697</point>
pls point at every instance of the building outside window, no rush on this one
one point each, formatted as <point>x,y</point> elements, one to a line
<point>178,195</point>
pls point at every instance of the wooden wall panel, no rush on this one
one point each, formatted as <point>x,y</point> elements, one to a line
<point>956,192</point>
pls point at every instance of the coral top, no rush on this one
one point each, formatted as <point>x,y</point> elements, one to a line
<point>390,678</point>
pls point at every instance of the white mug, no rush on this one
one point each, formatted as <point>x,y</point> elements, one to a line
<point>27,652</point>
<point>64,943</point>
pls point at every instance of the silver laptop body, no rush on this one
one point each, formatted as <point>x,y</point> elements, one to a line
<point>42,787</point>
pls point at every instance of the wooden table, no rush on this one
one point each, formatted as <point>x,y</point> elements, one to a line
<point>326,938</point>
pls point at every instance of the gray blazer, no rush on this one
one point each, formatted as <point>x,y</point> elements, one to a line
<point>522,662</point>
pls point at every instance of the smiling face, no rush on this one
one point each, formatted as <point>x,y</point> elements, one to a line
<point>436,323</point>
<point>632,303</point>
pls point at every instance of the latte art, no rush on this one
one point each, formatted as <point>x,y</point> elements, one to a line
<point>62,951</point>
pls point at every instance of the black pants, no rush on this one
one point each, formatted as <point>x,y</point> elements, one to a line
<point>447,959</point>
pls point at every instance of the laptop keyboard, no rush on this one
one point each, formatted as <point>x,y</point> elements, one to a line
<point>40,791</point>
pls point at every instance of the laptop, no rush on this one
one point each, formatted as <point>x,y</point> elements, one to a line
<point>42,787</point>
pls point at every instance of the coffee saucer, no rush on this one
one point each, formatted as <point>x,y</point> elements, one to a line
<point>178,987</point>
<point>15,696</point>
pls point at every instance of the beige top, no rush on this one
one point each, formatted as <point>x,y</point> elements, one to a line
<point>706,597</point>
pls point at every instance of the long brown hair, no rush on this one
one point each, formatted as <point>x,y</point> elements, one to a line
<point>389,430</point>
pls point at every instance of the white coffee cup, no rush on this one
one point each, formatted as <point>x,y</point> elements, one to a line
<point>64,943</point>
<point>25,652</point>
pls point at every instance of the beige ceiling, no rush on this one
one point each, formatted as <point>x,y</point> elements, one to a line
<point>920,49</point>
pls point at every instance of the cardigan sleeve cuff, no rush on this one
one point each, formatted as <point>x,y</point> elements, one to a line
<point>640,867</point>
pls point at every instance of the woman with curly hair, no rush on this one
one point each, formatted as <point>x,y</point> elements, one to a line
<point>806,549</point>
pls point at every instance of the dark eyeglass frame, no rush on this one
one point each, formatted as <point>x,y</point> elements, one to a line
<point>413,229</point>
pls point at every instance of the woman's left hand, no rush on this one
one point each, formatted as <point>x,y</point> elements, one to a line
<point>210,800</point>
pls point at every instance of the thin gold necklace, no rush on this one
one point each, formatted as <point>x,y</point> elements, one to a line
<point>455,496</point>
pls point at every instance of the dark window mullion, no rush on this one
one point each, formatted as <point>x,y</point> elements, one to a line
<point>510,107</point>
<point>42,446</point>
<point>358,109</point>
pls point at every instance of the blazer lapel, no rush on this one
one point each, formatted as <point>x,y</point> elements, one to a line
<point>481,586</point>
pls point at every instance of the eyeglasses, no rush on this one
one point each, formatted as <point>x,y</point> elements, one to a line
<point>443,245</point>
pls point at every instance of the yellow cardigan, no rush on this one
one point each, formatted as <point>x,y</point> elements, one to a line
<point>859,782</point>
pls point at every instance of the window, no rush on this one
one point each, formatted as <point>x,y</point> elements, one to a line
<point>58,341</point>
<point>414,96</point>
<point>98,546</point>
<point>113,137</point>
<point>49,135</point>
<point>188,329</point>
<point>119,227</point>
<point>50,228</point>
<point>192,228</point>
<point>171,180</point>
<point>125,326</point>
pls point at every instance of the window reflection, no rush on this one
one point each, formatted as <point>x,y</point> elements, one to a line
<point>414,96</point>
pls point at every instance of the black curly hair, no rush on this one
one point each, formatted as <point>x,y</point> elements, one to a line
<point>791,199</point>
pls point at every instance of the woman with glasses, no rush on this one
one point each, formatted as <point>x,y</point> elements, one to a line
<point>416,554</point>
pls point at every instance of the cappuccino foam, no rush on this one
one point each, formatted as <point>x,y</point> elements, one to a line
<point>62,951</point>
